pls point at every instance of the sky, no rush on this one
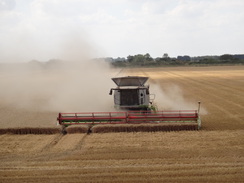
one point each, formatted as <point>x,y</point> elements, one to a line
<point>57,29</point>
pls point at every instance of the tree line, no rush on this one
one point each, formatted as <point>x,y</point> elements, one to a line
<point>166,60</point>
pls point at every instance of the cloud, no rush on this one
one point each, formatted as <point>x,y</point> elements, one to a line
<point>7,4</point>
<point>122,27</point>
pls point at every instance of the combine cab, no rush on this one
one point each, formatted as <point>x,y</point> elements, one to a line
<point>135,104</point>
<point>131,93</point>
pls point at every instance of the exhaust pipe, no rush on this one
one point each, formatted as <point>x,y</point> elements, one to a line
<point>199,105</point>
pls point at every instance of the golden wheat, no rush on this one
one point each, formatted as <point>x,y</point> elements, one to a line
<point>212,154</point>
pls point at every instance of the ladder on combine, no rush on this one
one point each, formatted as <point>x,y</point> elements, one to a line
<point>131,117</point>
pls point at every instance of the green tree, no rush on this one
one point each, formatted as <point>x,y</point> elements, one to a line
<point>148,57</point>
<point>130,58</point>
<point>139,59</point>
<point>226,57</point>
<point>166,55</point>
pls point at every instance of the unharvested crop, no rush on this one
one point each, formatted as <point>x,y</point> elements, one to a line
<point>77,129</point>
<point>144,127</point>
<point>24,131</point>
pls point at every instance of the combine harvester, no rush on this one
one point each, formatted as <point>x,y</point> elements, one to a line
<point>135,105</point>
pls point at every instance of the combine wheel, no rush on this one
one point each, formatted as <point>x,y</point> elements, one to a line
<point>64,131</point>
<point>89,129</point>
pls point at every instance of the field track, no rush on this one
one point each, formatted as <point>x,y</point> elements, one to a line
<point>213,154</point>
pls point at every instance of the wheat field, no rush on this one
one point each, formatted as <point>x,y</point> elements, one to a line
<point>213,154</point>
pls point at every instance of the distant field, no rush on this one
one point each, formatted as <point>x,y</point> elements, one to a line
<point>220,89</point>
<point>213,154</point>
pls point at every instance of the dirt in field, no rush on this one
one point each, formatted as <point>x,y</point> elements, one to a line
<point>213,154</point>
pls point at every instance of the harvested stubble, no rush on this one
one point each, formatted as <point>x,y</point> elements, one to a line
<point>78,129</point>
<point>24,131</point>
<point>143,127</point>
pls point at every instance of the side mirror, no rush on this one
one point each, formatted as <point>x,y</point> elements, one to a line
<point>147,91</point>
<point>111,92</point>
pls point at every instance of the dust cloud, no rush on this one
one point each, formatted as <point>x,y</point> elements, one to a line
<point>172,98</point>
<point>57,86</point>
<point>33,92</point>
